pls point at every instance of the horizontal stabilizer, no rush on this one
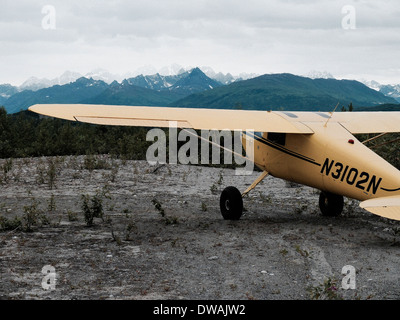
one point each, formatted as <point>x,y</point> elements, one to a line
<point>387,207</point>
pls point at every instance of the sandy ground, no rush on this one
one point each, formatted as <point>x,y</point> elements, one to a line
<point>280,249</point>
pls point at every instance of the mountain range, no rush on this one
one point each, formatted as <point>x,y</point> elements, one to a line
<point>149,90</point>
<point>389,90</point>
<point>289,92</point>
<point>6,91</point>
<point>35,83</point>
<point>202,88</point>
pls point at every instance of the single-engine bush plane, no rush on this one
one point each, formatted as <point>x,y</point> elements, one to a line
<point>316,149</point>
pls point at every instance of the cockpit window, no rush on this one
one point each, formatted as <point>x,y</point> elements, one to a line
<point>277,137</point>
<point>289,114</point>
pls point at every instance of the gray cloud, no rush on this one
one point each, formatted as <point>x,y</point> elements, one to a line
<point>228,35</point>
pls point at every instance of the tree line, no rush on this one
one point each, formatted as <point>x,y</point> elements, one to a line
<point>26,134</point>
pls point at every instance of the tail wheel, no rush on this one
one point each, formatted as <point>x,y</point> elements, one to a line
<point>231,203</point>
<point>331,205</point>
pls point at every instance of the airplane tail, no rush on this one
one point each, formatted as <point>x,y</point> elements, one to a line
<point>387,207</point>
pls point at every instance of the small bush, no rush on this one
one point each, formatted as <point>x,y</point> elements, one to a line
<point>51,204</point>
<point>161,211</point>
<point>92,207</point>
<point>158,206</point>
<point>33,216</point>
<point>6,168</point>
<point>10,224</point>
<point>72,216</point>
<point>326,291</point>
<point>92,162</point>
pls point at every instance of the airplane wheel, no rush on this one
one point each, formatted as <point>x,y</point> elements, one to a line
<point>231,203</point>
<point>331,205</point>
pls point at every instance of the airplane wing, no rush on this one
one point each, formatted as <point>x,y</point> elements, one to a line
<point>210,119</point>
<point>387,207</point>
<point>369,122</point>
<point>354,122</point>
<point>220,119</point>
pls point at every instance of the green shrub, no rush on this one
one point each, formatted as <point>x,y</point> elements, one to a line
<point>92,207</point>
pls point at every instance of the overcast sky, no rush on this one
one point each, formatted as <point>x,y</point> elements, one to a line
<point>349,39</point>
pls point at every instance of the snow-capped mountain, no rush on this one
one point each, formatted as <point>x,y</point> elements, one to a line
<point>34,83</point>
<point>314,74</point>
<point>68,77</point>
<point>155,82</point>
<point>224,78</point>
<point>227,78</point>
<point>177,69</point>
<point>189,81</point>
<point>389,90</point>
<point>173,70</point>
<point>140,90</point>
<point>73,92</point>
<point>392,91</point>
<point>371,84</point>
<point>6,91</point>
<point>168,85</point>
<point>220,77</point>
<point>194,81</point>
<point>103,75</point>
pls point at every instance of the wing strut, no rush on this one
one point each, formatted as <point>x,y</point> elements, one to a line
<point>373,138</point>
<point>255,183</point>
<point>262,176</point>
<point>385,143</point>
<point>218,145</point>
<point>382,144</point>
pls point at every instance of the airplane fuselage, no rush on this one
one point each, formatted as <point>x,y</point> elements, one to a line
<point>331,160</point>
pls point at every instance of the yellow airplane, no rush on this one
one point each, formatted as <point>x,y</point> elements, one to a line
<point>316,149</point>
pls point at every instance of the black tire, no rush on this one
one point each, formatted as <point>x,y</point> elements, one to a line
<point>331,205</point>
<point>231,203</point>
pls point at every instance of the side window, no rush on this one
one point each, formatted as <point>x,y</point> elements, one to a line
<point>277,137</point>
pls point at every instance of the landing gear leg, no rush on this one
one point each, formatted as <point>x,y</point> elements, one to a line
<point>231,201</point>
<point>255,183</point>
<point>331,205</point>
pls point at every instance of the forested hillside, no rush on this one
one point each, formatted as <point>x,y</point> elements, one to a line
<point>26,135</point>
<point>286,92</point>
